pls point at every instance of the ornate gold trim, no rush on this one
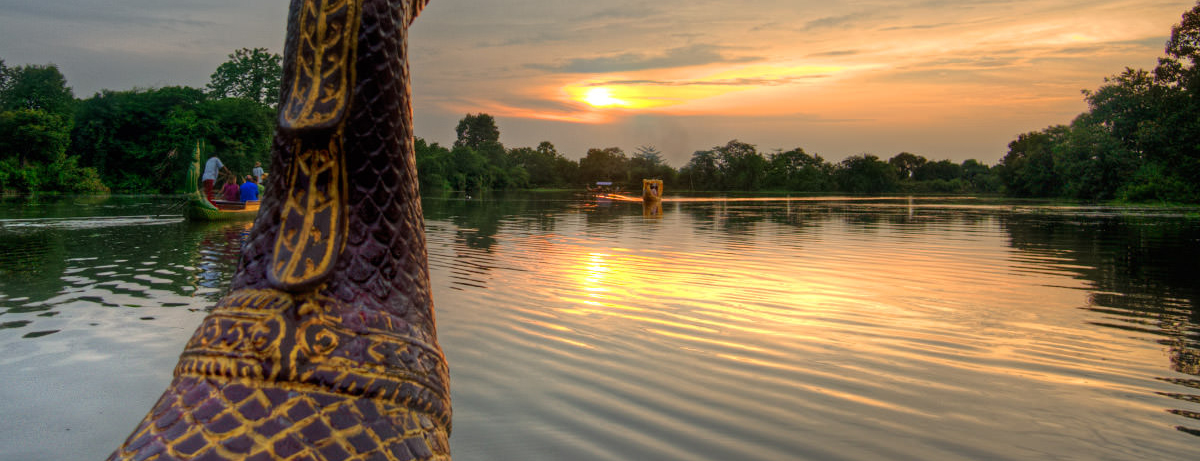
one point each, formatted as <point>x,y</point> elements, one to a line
<point>324,63</point>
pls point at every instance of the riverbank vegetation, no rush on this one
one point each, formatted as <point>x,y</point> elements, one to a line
<point>1139,141</point>
<point>139,140</point>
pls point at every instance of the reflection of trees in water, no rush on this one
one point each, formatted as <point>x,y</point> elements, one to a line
<point>52,261</point>
<point>214,254</point>
<point>1143,270</point>
<point>479,219</point>
<point>25,260</point>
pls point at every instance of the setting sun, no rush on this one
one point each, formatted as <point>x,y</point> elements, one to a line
<point>602,97</point>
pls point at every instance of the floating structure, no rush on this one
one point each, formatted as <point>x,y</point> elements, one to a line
<point>652,190</point>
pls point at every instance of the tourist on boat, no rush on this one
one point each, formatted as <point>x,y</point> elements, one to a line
<point>258,173</point>
<point>230,191</point>
<point>249,189</point>
<point>211,169</point>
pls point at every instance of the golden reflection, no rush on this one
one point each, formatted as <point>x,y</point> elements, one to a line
<point>652,209</point>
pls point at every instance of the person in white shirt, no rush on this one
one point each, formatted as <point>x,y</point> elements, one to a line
<point>257,172</point>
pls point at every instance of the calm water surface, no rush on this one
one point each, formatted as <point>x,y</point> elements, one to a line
<point>751,330</point>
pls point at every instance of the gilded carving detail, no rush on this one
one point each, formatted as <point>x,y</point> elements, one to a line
<point>273,336</point>
<point>313,218</point>
<point>324,57</point>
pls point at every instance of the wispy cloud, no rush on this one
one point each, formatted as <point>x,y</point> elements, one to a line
<point>836,53</point>
<point>694,55</point>
<point>90,12</point>
<point>750,81</point>
<point>833,22</point>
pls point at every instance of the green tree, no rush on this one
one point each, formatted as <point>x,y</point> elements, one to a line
<point>701,171</point>
<point>141,140</point>
<point>742,167</point>
<point>565,170</point>
<point>1180,66</point>
<point>647,163</point>
<point>469,170</point>
<point>37,87</point>
<point>432,160</point>
<point>604,165</point>
<point>476,130</point>
<point>1092,162</point>
<point>5,77</point>
<point>1124,104</point>
<point>1176,132</point>
<point>238,129</point>
<point>35,132</point>
<point>796,170</point>
<point>980,177</point>
<point>867,174</point>
<point>33,135</point>
<point>906,164</point>
<point>127,136</point>
<point>944,170</point>
<point>252,74</point>
<point>541,164</point>
<point>1027,170</point>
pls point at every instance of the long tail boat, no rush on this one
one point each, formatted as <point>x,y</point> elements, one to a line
<point>200,209</point>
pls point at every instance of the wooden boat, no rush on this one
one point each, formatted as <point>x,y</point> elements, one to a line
<point>200,209</point>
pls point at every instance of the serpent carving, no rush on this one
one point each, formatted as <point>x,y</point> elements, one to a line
<point>325,348</point>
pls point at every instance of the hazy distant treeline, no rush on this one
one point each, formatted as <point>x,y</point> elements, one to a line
<point>478,161</point>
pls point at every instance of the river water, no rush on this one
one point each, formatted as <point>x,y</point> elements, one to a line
<point>709,329</point>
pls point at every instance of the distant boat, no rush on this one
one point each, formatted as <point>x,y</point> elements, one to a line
<point>199,208</point>
<point>652,190</point>
<point>603,187</point>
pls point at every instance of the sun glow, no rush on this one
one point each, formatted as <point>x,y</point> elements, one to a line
<point>654,90</point>
<point>602,97</point>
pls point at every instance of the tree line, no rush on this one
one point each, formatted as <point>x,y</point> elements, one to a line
<point>478,161</point>
<point>1139,141</point>
<point>137,141</point>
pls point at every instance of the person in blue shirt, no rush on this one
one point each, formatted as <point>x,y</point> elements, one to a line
<point>249,189</point>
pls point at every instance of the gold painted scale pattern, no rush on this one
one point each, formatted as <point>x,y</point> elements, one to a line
<point>326,347</point>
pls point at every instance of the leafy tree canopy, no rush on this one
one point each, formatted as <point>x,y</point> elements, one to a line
<point>252,74</point>
<point>36,87</point>
<point>608,164</point>
<point>906,164</point>
<point>475,130</point>
<point>33,135</point>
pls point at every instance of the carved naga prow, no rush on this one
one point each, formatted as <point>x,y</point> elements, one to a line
<point>325,348</point>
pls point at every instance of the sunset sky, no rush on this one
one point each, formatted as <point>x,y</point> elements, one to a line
<point>943,79</point>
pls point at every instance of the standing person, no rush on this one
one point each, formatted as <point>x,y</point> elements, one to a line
<point>258,172</point>
<point>249,189</point>
<point>211,169</point>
